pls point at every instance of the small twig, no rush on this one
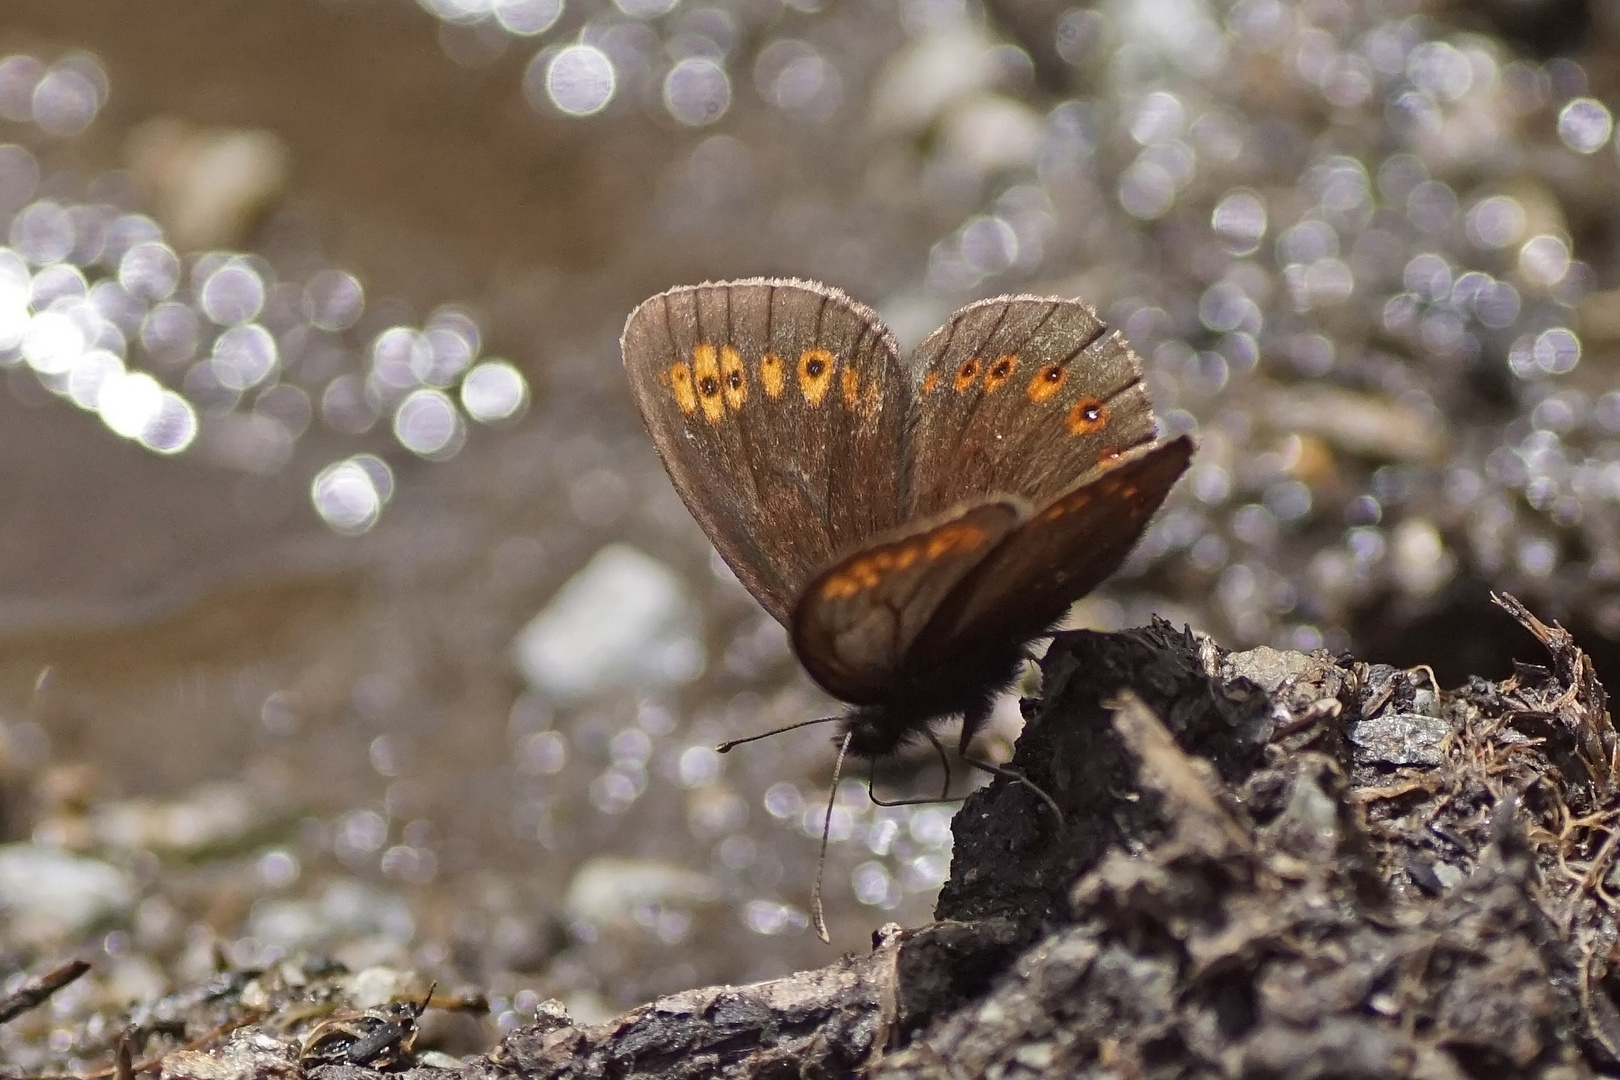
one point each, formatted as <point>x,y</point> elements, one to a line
<point>1314,713</point>
<point>151,1064</point>
<point>1379,699</point>
<point>1393,791</point>
<point>1427,670</point>
<point>124,1059</point>
<point>36,993</point>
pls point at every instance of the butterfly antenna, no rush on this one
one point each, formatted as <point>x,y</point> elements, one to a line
<point>826,828</point>
<point>725,747</point>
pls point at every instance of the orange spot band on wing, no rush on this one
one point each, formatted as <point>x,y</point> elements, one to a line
<point>680,381</point>
<point>771,376</point>
<point>966,374</point>
<point>839,587</point>
<point>851,380</point>
<point>868,571</point>
<point>1000,372</point>
<point>733,379</point>
<point>952,538</point>
<point>815,374</point>
<point>706,378</point>
<point>1066,505</point>
<point>930,381</point>
<point>1086,415</point>
<point>1047,382</point>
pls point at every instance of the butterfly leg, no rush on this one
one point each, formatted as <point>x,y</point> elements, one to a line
<point>1018,778</point>
<point>971,728</point>
<point>1029,652</point>
<point>945,792</point>
<point>944,763</point>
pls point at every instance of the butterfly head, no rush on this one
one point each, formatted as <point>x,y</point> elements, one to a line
<point>879,730</point>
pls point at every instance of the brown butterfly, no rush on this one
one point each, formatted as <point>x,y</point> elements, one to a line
<point>914,525</point>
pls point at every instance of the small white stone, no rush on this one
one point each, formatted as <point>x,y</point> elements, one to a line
<point>622,621</point>
<point>921,80</point>
<point>987,132</point>
<point>48,896</point>
<point>207,185</point>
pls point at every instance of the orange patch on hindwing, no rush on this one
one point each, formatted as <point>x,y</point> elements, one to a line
<point>966,374</point>
<point>930,381</point>
<point>1066,505</point>
<point>815,374</point>
<point>771,376</point>
<point>706,379</point>
<point>851,381</point>
<point>1000,372</point>
<point>1087,415</point>
<point>952,538</point>
<point>1047,381</point>
<point>733,379</point>
<point>680,381</point>
<point>868,571</point>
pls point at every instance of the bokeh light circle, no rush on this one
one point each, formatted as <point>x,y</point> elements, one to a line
<point>428,425</point>
<point>494,390</point>
<point>697,91</point>
<point>580,80</point>
<point>1585,124</point>
<point>347,495</point>
<point>172,427</point>
<point>526,18</point>
<point>232,294</point>
<point>244,356</point>
<point>334,300</point>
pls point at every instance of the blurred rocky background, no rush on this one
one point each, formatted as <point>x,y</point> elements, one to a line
<point>345,609</point>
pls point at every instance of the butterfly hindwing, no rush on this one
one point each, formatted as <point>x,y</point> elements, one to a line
<point>777,408</point>
<point>1020,395</point>
<point>858,620</point>
<point>1059,554</point>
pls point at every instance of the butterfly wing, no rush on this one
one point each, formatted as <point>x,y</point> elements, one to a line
<point>1020,394</point>
<point>777,408</point>
<point>857,620</point>
<point>1062,552</point>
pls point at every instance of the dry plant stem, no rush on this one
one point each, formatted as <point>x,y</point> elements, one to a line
<point>154,1063</point>
<point>124,1059</point>
<point>36,993</point>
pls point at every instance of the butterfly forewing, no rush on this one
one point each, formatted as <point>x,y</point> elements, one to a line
<point>857,621</point>
<point>778,409</point>
<point>1063,551</point>
<point>1020,395</point>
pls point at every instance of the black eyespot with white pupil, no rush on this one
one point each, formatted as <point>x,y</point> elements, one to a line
<point>708,386</point>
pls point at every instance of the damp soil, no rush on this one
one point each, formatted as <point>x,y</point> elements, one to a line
<point>1271,864</point>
